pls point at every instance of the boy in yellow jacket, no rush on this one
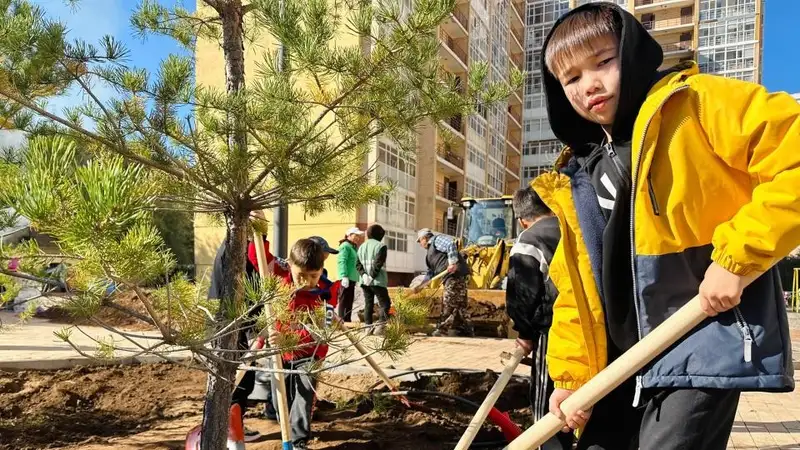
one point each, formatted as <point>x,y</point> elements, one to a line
<point>672,183</point>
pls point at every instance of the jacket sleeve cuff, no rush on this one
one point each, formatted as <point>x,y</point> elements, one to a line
<point>727,262</point>
<point>568,385</point>
<point>526,336</point>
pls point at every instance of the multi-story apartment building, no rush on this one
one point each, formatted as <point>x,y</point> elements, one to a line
<point>478,155</point>
<point>723,36</point>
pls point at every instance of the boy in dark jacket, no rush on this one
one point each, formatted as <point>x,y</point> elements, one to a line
<point>530,295</point>
<point>306,259</point>
<point>672,184</point>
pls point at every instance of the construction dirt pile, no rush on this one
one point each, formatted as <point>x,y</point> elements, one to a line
<point>116,318</point>
<point>154,406</point>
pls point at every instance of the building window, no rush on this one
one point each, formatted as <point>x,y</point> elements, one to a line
<point>474,188</point>
<point>478,125</point>
<point>723,59</point>
<point>397,209</point>
<point>536,128</point>
<point>396,241</point>
<point>495,176</point>
<point>478,40</point>
<point>549,148</point>
<point>396,167</point>
<point>622,3</point>
<point>721,9</point>
<point>534,101</point>
<point>725,32</point>
<point>476,156</point>
<point>533,60</point>
<point>497,148</point>
<point>541,11</point>
<point>533,82</point>
<point>531,172</point>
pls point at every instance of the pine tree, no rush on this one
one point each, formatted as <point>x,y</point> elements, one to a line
<point>297,132</point>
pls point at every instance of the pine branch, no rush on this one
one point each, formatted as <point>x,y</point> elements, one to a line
<point>25,276</point>
<point>101,140</point>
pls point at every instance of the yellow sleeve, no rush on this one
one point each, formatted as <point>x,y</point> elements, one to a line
<point>568,358</point>
<point>756,133</point>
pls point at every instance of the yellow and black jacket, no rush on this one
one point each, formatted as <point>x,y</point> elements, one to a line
<point>715,177</point>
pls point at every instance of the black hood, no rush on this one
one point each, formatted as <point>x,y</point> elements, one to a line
<point>639,56</point>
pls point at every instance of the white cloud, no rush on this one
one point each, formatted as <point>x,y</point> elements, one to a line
<point>11,139</point>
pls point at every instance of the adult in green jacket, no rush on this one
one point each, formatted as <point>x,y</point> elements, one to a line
<point>346,263</point>
<point>374,279</point>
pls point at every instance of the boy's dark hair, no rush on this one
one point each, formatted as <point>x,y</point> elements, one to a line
<point>528,205</point>
<point>376,232</point>
<point>307,254</point>
<point>580,35</point>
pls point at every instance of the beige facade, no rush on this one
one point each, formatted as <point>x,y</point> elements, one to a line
<point>723,36</point>
<point>477,155</point>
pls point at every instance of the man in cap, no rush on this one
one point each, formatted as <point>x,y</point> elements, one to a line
<point>442,255</point>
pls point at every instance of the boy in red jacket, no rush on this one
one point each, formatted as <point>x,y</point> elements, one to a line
<point>306,260</point>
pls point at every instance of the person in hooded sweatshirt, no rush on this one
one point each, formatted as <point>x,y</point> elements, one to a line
<point>672,184</point>
<point>530,294</point>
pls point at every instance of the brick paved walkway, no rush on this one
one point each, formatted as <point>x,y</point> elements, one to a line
<point>764,421</point>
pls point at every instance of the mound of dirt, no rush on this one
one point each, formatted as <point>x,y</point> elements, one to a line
<point>52,409</point>
<point>153,406</point>
<point>110,316</point>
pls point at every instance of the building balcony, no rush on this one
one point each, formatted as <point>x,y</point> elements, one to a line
<point>453,55</point>
<point>455,125</point>
<point>516,59</point>
<point>517,42</point>
<point>457,25</point>
<point>515,100</point>
<point>450,163</point>
<point>665,26</point>
<point>656,5</point>
<point>513,147</point>
<point>515,15</point>
<point>448,227</point>
<point>447,193</point>
<point>513,171</point>
<point>676,49</point>
<point>513,120</point>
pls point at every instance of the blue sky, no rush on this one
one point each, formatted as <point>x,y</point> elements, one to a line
<point>95,18</point>
<point>782,46</point>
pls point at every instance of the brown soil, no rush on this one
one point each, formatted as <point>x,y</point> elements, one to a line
<point>110,316</point>
<point>153,406</point>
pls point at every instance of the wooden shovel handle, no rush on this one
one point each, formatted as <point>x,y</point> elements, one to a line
<point>491,398</point>
<point>652,345</point>
<point>277,362</point>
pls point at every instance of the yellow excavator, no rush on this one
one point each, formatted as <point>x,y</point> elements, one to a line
<point>486,232</point>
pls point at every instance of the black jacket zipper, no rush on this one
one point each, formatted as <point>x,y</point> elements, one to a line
<point>652,193</point>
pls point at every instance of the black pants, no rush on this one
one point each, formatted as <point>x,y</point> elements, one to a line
<point>248,383</point>
<point>669,419</point>
<point>541,387</point>
<point>301,395</point>
<point>385,303</point>
<point>346,297</point>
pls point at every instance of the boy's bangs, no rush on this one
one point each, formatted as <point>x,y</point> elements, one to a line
<point>580,36</point>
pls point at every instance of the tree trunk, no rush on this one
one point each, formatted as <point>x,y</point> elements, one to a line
<point>233,52</point>
<point>218,395</point>
<point>219,388</point>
